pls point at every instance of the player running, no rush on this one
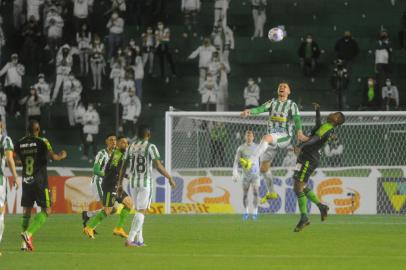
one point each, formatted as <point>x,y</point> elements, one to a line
<point>33,152</point>
<point>249,177</point>
<point>307,162</point>
<point>111,192</point>
<point>282,112</point>
<point>99,167</point>
<point>6,154</point>
<point>141,156</point>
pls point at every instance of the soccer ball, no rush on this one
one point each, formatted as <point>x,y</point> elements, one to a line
<point>276,34</point>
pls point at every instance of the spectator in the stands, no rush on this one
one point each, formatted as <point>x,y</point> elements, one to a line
<point>148,47</point>
<point>205,53</point>
<point>14,72</point>
<point>390,96</point>
<point>81,11</point>
<point>309,53</point>
<point>54,28</point>
<point>79,112</point>
<point>84,40</point>
<point>117,74</point>
<point>72,88</point>
<point>333,150</point>
<point>64,62</point>
<point>371,95</point>
<point>32,41</point>
<point>258,8</point>
<point>251,94</point>
<point>215,67</point>
<point>208,92</point>
<point>125,85</point>
<point>163,39</point>
<point>220,11</point>
<point>116,29</point>
<point>131,112</point>
<point>402,32</point>
<point>2,39</point>
<point>190,10</point>
<point>18,16</point>
<point>347,49</point>
<point>223,41</point>
<point>97,62</point>
<point>222,95</point>
<point>119,5</point>
<point>43,89</point>
<point>339,83</point>
<point>91,122</point>
<point>138,72</point>
<point>3,104</point>
<point>32,103</point>
<point>33,8</point>
<point>383,51</point>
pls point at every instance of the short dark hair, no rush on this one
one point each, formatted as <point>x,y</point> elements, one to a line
<point>142,130</point>
<point>31,126</point>
<point>341,118</point>
<point>110,135</point>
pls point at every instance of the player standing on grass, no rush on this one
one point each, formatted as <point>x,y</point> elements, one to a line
<point>6,154</point>
<point>110,189</point>
<point>141,156</point>
<point>33,152</point>
<point>249,177</point>
<point>282,112</point>
<point>307,162</point>
<point>99,167</point>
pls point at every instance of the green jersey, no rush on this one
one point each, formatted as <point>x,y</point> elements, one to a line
<point>141,155</point>
<point>282,115</point>
<point>100,163</point>
<point>6,144</point>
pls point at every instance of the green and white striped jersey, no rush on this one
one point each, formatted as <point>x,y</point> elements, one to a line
<point>100,163</point>
<point>282,115</point>
<point>6,144</point>
<point>141,155</point>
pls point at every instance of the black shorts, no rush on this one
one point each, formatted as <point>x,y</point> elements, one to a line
<point>36,191</point>
<point>110,196</point>
<point>305,171</point>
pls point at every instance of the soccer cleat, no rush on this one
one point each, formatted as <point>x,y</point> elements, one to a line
<point>245,217</point>
<point>245,163</point>
<point>28,240</point>
<point>141,244</point>
<point>131,244</point>
<point>23,246</point>
<point>301,225</point>
<point>255,217</point>
<point>323,211</point>
<point>269,196</point>
<point>120,232</point>
<point>85,219</point>
<point>89,232</point>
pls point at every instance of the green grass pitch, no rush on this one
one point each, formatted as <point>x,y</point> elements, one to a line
<point>214,242</point>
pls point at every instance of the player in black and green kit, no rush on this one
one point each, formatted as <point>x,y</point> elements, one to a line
<point>112,191</point>
<point>33,152</point>
<point>307,162</point>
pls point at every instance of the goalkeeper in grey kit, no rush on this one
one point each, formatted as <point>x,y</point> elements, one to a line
<point>307,162</point>
<point>250,177</point>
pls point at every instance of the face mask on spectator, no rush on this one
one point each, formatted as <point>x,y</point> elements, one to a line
<point>114,16</point>
<point>41,80</point>
<point>370,82</point>
<point>90,108</point>
<point>388,83</point>
<point>160,26</point>
<point>309,40</point>
<point>250,82</point>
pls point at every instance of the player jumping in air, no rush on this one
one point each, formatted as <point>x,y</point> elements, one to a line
<point>141,157</point>
<point>250,177</point>
<point>99,167</point>
<point>308,161</point>
<point>110,186</point>
<point>6,154</point>
<point>282,112</point>
<point>33,152</point>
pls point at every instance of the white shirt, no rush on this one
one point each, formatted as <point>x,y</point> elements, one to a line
<point>138,68</point>
<point>91,122</point>
<point>33,8</point>
<point>81,8</point>
<point>116,26</point>
<point>14,74</point>
<point>131,107</point>
<point>71,90</point>
<point>205,55</point>
<point>44,91</point>
<point>3,103</point>
<point>251,95</point>
<point>391,92</point>
<point>209,95</point>
<point>190,5</point>
<point>330,152</point>
<point>289,160</point>
<point>54,30</point>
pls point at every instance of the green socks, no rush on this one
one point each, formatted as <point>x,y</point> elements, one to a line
<point>302,200</point>
<point>97,219</point>
<point>25,223</point>
<point>311,196</point>
<point>123,216</point>
<point>37,222</point>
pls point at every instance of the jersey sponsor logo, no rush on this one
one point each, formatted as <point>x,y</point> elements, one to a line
<point>26,145</point>
<point>197,187</point>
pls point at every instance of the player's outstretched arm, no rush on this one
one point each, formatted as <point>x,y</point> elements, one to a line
<point>12,166</point>
<point>62,155</point>
<point>161,169</point>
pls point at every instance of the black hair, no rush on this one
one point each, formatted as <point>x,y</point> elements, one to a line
<point>31,126</point>
<point>142,131</point>
<point>110,135</point>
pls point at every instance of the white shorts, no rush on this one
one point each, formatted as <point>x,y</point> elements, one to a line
<point>3,191</point>
<point>250,180</point>
<point>279,141</point>
<point>142,197</point>
<point>96,188</point>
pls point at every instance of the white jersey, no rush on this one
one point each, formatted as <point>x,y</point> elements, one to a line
<point>141,155</point>
<point>247,152</point>
<point>6,144</point>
